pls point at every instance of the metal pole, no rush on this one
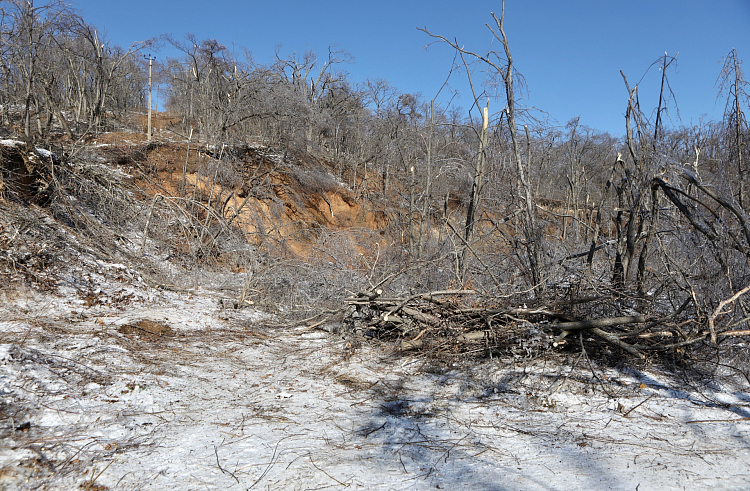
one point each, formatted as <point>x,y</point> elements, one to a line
<point>150,61</point>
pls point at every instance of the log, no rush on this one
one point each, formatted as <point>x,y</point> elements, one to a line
<point>432,296</point>
<point>659,334</point>
<point>417,343</point>
<point>473,336</point>
<point>597,323</point>
<point>414,313</point>
<point>393,319</point>
<point>593,326</point>
<point>419,316</point>
<point>614,340</point>
<point>734,333</point>
<point>410,345</point>
<point>366,301</point>
<point>369,295</point>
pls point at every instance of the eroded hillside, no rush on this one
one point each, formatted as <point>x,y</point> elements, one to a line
<point>181,358</point>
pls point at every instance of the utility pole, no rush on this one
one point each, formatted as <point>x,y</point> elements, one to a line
<point>150,61</point>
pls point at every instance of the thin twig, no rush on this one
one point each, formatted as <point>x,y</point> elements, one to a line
<point>717,420</point>
<point>324,472</point>
<point>268,468</point>
<point>637,406</point>
<point>224,471</point>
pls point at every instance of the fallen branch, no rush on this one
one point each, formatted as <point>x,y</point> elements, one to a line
<point>677,345</point>
<point>746,332</point>
<point>148,221</point>
<point>224,471</point>
<point>717,420</point>
<point>417,315</point>
<point>614,340</point>
<point>416,343</point>
<point>587,252</point>
<point>717,312</point>
<point>591,324</point>
<point>637,405</point>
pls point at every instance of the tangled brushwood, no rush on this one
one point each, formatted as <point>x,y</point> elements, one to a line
<point>457,323</point>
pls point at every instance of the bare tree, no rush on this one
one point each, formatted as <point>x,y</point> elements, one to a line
<point>314,87</point>
<point>637,215</point>
<point>54,63</point>
<point>575,148</point>
<point>732,82</point>
<point>30,26</point>
<point>501,64</point>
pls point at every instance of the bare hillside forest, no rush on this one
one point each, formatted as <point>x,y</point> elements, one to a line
<point>299,281</point>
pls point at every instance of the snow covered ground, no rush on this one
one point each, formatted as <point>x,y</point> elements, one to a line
<point>159,390</point>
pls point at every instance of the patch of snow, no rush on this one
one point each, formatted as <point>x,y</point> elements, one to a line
<point>224,402</point>
<point>5,352</point>
<point>45,153</point>
<point>11,143</point>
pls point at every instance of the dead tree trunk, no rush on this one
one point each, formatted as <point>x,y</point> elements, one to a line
<point>532,232</point>
<point>531,228</point>
<point>476,190</point>
<point>425,214</point>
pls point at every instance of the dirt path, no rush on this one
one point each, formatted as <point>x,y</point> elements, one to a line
<point>215,400</point>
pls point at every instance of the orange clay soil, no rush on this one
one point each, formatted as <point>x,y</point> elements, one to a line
<point>280,208</point>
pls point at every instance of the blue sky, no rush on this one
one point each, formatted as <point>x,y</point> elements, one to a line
<point>569,51</point>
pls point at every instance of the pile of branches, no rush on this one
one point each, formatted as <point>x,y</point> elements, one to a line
<point>26,172</point>
<point>452,322</point>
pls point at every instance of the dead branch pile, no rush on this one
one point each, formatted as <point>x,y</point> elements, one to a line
<point>25,171</point>
<point>452,322</point>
